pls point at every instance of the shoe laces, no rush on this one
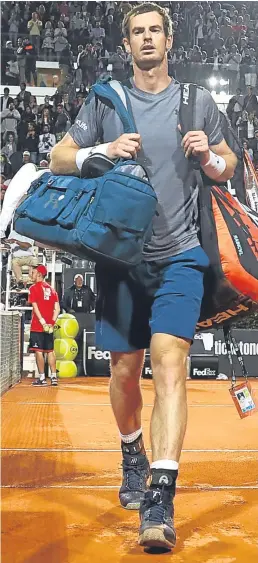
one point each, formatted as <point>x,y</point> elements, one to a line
<point>156,509</point>
<point>134,477</point>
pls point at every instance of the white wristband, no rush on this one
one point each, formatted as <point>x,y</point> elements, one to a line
<point>82,154</point>
<point>215,166</point>
<point>42,321</point>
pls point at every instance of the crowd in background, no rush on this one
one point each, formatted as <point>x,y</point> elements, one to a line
<point>215,37</point>
<point>211,39</point>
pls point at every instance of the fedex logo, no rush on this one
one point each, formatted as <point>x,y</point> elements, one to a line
<point>97,354</point>
<point>202,372</point>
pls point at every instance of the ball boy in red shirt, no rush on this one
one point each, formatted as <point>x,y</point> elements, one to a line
<point>45,310</point>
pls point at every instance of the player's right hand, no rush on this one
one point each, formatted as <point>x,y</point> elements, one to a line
<point>125,146</point>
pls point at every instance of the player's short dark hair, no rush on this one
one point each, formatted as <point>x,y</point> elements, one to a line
<point>144,8</point>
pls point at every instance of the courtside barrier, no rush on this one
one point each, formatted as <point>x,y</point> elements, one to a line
<point>11,349</point>
<point>208,353</point>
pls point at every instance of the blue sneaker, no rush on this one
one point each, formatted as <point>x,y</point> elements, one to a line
<point>39,383</point>
<point>157,520</point>
<point>136,471</point>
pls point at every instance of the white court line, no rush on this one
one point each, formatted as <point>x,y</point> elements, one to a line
<point>111,487</point>
<point>101,404</point>
<point>203,386</point>
<point>90,450</point>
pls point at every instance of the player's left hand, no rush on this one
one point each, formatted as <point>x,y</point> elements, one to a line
<point>196,143</point>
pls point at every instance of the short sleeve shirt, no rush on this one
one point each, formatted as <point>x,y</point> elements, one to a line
<point>175,225</point>
<point>45,297</point>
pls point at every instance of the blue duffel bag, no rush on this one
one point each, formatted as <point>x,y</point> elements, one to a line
<point>107,219</point>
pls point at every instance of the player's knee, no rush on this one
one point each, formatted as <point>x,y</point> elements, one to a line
<point>169,362</point>
<point>126,369</point>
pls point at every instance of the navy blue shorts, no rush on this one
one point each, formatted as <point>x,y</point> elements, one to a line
<point>155,297</point>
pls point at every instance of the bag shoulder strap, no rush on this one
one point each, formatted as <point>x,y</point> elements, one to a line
<point>187,120</point>
<point>114,92</point>
<point>187,109</point>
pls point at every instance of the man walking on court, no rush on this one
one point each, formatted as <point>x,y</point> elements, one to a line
<point>45,310</point>
<point>158,303</point>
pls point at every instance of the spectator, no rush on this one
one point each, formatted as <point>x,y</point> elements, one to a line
<point>8,57</point>
<point>196,55</point>
<point>77,105</point>
<point>60,30</point>
<point>45,118</point>
<point>26,157</point>
<point>46,105</point>
<point>198,29</point>
<point>67,88</point>
<point>216,61</point>
<point>5,166</point>
<point>78,74</point>
<point>248,149</point>
<point>22,253</point>
<point>28,116</point>
<point>248,67</point>
<point>68,107</point>
<point>12,72</point>
<point>48,43</point>
<point>31,143</point>
<point>62,123</point>
<point>112,34</point>
<point>97,32</point>
<point>235,107</point>
<point>118,61</point>
<point>88,66</point>
<point>44,164</point>
<point>41,10</point>
<point>77,22</point>
<point>33,106</point>
<point>101,56</point>
<point>78,298</point>
<point>21,59</point>
<point>60,40</point>
<point>6,100</point>
<point>226,29</point>
<point>250,101</point>
<point>35,27</point>
<point>233,60</point>
<point>10,145</point>
<point>46,142</point>
<point>82,91</point>
<point>66,62</point>
<point>30,62</point>
<point>9,120</point>
<point>13,27</point>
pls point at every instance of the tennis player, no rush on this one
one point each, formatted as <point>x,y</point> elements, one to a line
<point>158,304</point>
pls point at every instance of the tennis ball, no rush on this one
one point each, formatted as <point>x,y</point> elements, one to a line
<point>65,348</point>
<point>66,326</point>
<point>66,369</point>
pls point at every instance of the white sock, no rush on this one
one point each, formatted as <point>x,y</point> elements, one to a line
<point>129,438</point>
<point>41,376</point>
<point>164,464</point>
<point>53,375</point>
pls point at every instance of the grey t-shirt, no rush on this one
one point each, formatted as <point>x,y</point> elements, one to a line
<point>157,118</point>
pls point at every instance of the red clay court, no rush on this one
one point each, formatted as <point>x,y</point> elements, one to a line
<point>61,473</point>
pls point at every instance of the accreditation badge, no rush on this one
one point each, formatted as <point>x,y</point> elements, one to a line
<point>243,398</point>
